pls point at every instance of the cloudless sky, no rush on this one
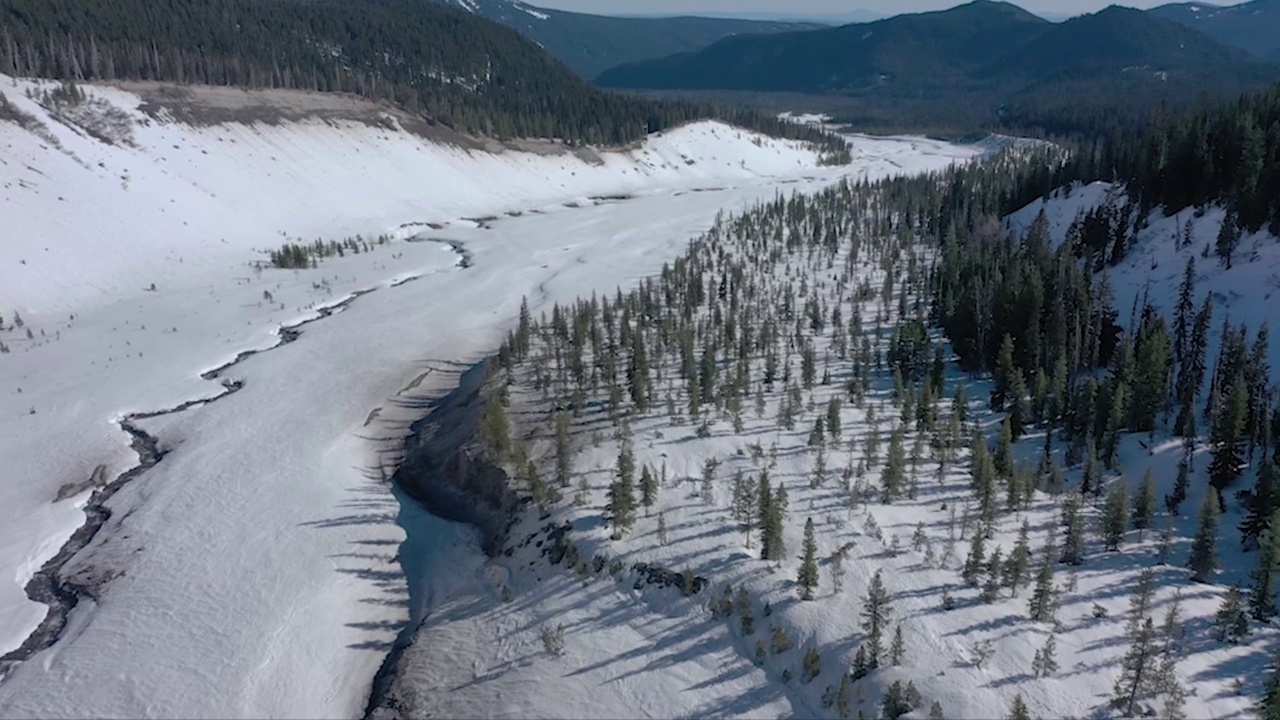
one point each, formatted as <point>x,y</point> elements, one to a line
<point>821,7</point>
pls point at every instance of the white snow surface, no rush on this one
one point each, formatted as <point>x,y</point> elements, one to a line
<point>263,567</point>
<point>510,676</point>
<point>1249,292</point>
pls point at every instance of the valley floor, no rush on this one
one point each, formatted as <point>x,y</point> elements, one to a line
<point>264,566</point>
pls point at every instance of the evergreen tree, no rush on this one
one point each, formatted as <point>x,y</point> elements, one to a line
<point>1003,377</point>
<point>1018,709</point>
<point>1015,568</point>
<point>833,417</point>
<point>1182,317</point>
<point>1230,623</point>
<point>875,617</point>
<point>1260,504</point>
<point>975,562</point>
<point>1042,606</point>
<point>1073,542</point>
<point>1269,706</point>
<point>648,489</point>
<point>1115,516</point>
<point>1002,459</point>
<point>1228,239</point>
<point>1227,438</point>
<point>1045,662</point>
<point>1144,504</point>
<point>807,579</point>
<point>1173,501</point>
<point>897,647</point>
<point>1137,668</point>
<point>1204,547</point>
<point>564,449</point>
<point>894,475</point>
<point>1262,601</point>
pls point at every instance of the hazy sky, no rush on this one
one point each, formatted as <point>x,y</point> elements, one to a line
<point>821,7</point>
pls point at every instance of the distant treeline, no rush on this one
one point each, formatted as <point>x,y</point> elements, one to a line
<point>453,68</point>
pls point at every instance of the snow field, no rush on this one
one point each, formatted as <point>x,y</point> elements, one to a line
<point>943,647</point>
<point>266,556</point>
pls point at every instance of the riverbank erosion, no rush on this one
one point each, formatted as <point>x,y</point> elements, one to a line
<point>447,470</point>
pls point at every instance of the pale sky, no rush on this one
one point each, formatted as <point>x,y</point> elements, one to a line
<point>821,7</point>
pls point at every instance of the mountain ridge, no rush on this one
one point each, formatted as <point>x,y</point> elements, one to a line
<point>1254,25</point>
<point>590,44</point>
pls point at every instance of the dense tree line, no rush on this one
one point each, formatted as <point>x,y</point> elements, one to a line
<point>1227,154</point>
<point>449,65</point>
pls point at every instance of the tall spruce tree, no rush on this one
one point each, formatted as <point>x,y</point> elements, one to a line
<point>807,579</point>
<point>1204,546</point>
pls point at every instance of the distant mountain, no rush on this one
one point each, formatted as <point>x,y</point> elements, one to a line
<point>989,59</point>
<point>1117,38</point>
<point>853,16</point>
<point>590,44</point>
<point>915,51</point>
<point>1254,26</point>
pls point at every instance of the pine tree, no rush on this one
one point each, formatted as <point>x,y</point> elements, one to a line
<point>1227,437</point>
<point>1002,459</point>
<point>1181,484</point>
<point>1260,503</point>
<point>1018,709</point>
<point>897,648</point>
<point>1262,601</point>
<point>1042,605</point>
<point>875,617</point>
<point>1045,662</point>
<point>844,695</point>
<point>975,561</point>
<point>1182,317</point>
<point>1115,518</point>
<point>1137,668</point>
<point>1003,377</point>
<point>894,475</point>
<point>1015,568</point>
<point>1269,706</point>
<point>1230,623</point>
<point>1144,504</point>
<point>564,449</point>
<point>648,489</point>
<point>807,579</point>
<point>861,664</point>
<point>833,417</point>
<point>1228,239</point>
<point>991,586</point>
<point>746,615</point>
<point>1073,542</point>
<point>1204,547</point>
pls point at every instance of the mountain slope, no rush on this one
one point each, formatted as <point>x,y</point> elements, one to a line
<point>907,51</point>
<point>1117,38</point>
<point>442,64</point>
<point>983,63</point>
<point>1254,26</point>
<point>590,44</point>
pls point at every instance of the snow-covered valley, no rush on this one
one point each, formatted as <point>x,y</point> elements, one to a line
<point>264,566</point>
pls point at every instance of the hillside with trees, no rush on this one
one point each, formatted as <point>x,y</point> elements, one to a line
<point>590,44</point>
<point>980,65</point>
<point>449,65</point>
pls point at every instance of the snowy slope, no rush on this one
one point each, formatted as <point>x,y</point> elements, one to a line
<point>1249,292</point>
<point>511,676</point>
<point>265,555</point>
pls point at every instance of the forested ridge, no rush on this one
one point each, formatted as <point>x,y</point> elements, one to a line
<point>813,314</point>
<point>454,68</point>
